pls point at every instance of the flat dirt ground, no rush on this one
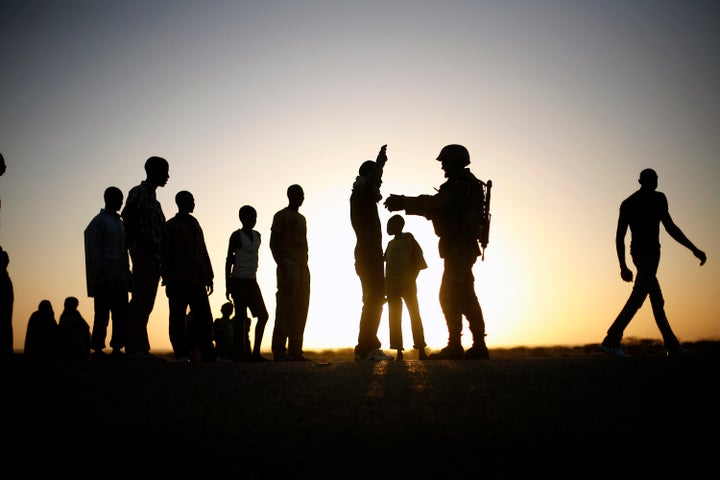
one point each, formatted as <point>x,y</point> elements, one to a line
<point>568,412</point>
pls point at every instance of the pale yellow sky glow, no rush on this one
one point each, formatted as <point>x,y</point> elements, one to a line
<point>561,104</point>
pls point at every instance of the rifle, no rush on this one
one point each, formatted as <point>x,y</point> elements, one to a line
<point>485,231</point>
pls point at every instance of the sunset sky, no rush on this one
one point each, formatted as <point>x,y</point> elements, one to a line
<point>560,103</point>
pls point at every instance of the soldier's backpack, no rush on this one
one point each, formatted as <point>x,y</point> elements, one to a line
<point>478,219</point>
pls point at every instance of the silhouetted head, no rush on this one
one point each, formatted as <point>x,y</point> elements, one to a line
<point>185,201</point>
<point>366,167</point>
<point>248,216</point>
<point>295,195</point>
<point>45,306</point>
<point>395,224</point>
<point>3,167</point>
<point>113,197</point>
<point>71,303</point>
<point>455,155</point>
<point>4,259</point>
<point>157,170</point>
<point>226,309</point>
<point>648,179</point>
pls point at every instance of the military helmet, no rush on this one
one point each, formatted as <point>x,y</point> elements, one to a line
<point>454,154</point>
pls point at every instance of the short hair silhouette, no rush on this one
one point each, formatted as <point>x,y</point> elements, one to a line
<point>246,212</point>
<point>71,303</point>
<point>396,221</point>
<point>155,163</point>
<point>226,308</point>
<point>184,200</point>
<point>112,194</point>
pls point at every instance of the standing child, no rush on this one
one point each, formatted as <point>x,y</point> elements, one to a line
<point>74,333</point>
<point>403,261</point>
<point>228,334</point>
<point>241,267</point>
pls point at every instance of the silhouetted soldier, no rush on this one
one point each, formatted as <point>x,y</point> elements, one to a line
<point>458,247</point>
<point>188,278</point>
<point>107,274</point>
<point>369,261</point>
<point>289,247</point>
<point>144,224</point>
<point>643,212</point>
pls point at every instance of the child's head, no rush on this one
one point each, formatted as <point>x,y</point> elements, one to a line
<point>226,309</point>
<point>395,224</point>
<point>248,216</point>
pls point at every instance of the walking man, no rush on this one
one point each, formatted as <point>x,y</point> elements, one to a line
<point>643,212</point>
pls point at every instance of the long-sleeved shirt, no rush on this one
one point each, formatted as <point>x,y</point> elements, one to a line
<point>106,255</point>
<point>184,256</point>
<point>144,220</point>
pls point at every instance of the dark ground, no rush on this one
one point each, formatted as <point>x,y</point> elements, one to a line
<point>564,412</point>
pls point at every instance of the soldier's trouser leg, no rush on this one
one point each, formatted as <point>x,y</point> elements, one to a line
<point>451,290</point>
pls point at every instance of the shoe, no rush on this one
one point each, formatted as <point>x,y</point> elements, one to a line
<point>399,356</point>
<point>477,352</point>
<point>143,357</point>
<point>282,358</point>
<point>422,355</point>
<point>377,355</point>
<point>300,358</point>
<point>99,356</point>
<point>117,355</point>
<point>678,352</point>
<point>614,350</point>
<point>259,358</point>
<point>449,353</point>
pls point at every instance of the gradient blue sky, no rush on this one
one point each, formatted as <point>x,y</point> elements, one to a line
<point>561,104</point>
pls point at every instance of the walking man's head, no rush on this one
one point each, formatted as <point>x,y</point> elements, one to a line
<point>648,179</point>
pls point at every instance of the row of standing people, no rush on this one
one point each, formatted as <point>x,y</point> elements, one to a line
<point>173,253</point>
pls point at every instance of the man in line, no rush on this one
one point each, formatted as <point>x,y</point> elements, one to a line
<point>188,278</point>
<point>289,247</point>
<point>107,274</point>
<point>369,260</point>
<point>144,224</point>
